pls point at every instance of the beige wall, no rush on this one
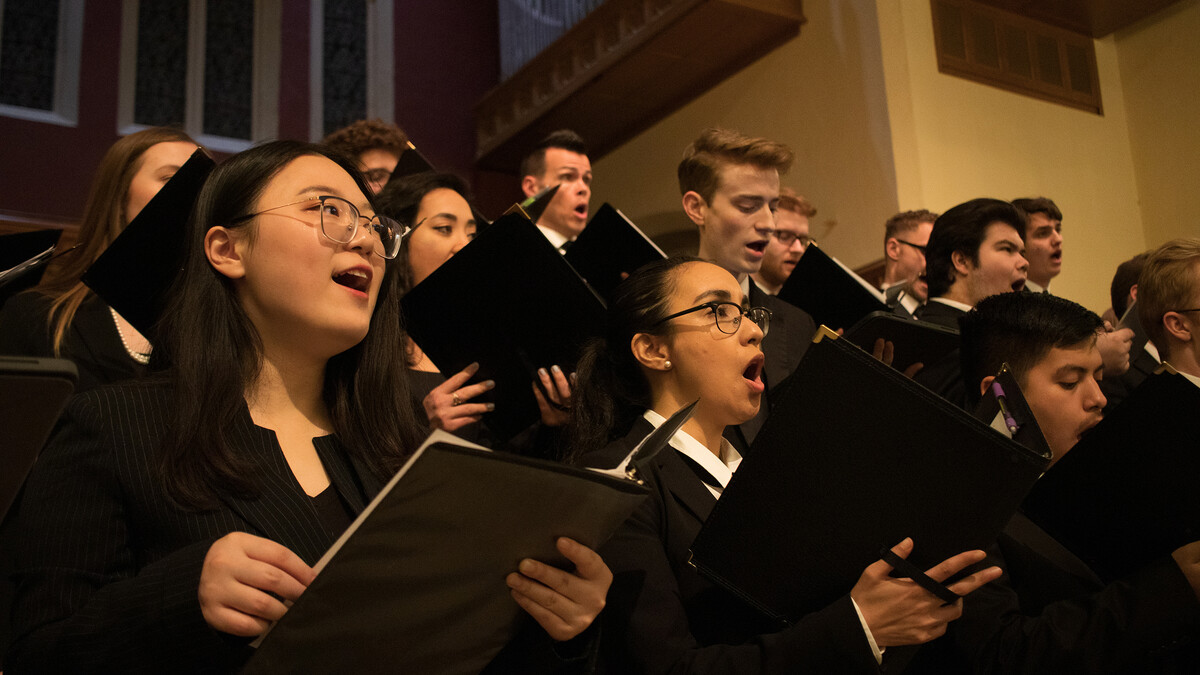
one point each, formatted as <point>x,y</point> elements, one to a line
<point>822,94</point>
<point>956,140</point>
<point>877,128</point>
<point>1160,67</point>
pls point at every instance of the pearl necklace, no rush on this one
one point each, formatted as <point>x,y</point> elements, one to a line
<point>141,357</point>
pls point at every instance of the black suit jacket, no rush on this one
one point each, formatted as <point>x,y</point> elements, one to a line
<point>790,333</point>
<point>940,314</point>
<point>944,378</point>
<point>1141,365</point>
<point>92,342</point>
<point>1049,614</point>
<point>108,569</point>
<point>663,616</point>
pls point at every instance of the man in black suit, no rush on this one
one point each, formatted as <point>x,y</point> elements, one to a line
<point>974,251</point>
<point>1043,239</point>
<point>730,188</point>
<point>1169,304</point>
<point>1143,356</point>
<point>560,159</point>
<point>1050,612</point>
<point>905,236</point>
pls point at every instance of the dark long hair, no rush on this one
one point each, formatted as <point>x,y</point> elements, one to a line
<point>215,352</point>
<point>611,391</point>
<point>401,199</point>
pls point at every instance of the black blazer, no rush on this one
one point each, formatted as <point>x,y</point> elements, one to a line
<point>944,378</point>
<point>663,616</point>
<point>92,342</point>
<point>940,314</point>
<point>791,332</point>
<point>1048,613</point>
<point>108,569</point>
<point>1141,365</point>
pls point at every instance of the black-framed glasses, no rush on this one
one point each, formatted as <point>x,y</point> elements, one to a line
<point>787,237</point>
<point>728,315</point>
<point>909,243</point>
<point>339,220</point>
<point>1181,311</point>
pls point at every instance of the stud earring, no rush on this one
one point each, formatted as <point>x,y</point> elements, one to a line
<point>667,364</point>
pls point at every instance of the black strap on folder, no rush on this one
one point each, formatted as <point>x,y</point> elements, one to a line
<point>911,571</point>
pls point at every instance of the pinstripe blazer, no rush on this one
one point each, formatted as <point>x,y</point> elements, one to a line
<point>108,569</point>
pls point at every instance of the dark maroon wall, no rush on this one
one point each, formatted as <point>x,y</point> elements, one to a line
<point>446,58</point>
<point>46,169</point>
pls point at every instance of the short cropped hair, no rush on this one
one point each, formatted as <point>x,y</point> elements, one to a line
<point>963,229</point>
<point>364,135</point>
<point>1019,329</point>
<point>1032,205</point>
<point>534,163</point>
<point>906,221</point>
<point>1168,283</point>
<point>700,168</point>
<point>790,201</point>
<point>1123,280</point>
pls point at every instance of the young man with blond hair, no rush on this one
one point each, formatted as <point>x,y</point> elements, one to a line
<point>787,242</point>
<point>1168,304</point>
<point>729,184</point>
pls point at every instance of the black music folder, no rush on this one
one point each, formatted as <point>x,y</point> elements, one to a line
<point>33,393</point>
<point>23,260</point>
<point>914,341</point>
<point>829,291</point>
<point>609,247</point>
<point>135,272</point>
<point>854,458</point>
<point>509,301</point>
<point>416,584</point>
<point>1126,493</point>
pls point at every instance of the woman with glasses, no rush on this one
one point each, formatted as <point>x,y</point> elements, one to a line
<point>169,520</point>
<point>438,207</point>
<point>64,319</point>
<point>678,332</point>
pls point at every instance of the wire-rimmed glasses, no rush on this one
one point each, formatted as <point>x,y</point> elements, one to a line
<point>339,221</point>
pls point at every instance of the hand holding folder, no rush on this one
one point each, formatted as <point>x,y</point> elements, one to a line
<point>855,456</point>
<point>417,583</point>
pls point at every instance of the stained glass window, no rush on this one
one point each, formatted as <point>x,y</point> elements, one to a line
<point>344,82</point>
<point>160,97</point>
<point>28,50</point>
<point>228,68</point>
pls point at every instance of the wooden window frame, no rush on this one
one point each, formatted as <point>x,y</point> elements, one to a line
<point>1003,78</point>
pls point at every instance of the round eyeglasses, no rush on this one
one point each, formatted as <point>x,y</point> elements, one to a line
<point>728,315</point>
<point>339,220</point>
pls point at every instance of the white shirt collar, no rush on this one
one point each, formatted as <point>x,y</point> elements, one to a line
<point>746,288</point>
<point>721,468</point>
<point>1152,351</point>
<point>953,303</point>
<point>556,238</point>
<point>1031,286</point>
<point>910,303</point>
